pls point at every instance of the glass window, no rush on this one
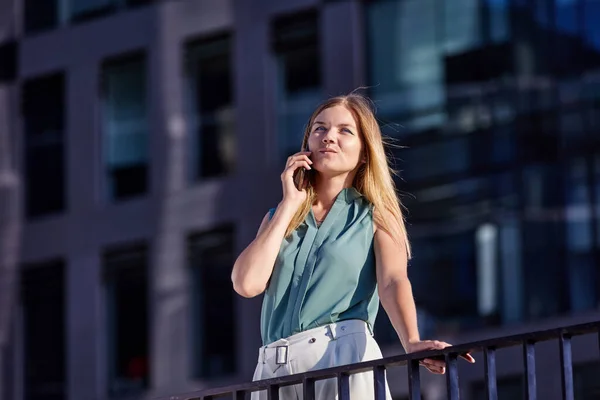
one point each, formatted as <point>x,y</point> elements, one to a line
<point>591,12</point>
<point>499,23</point>
<point>585,380</point>
<point>571,127</point>
<point>211,103</point>
<point>512,280</point>
<point>297,52</point>
<point>43,102</point>
<point>126,284</point>
<point>542,238</point>
<point>462,25</point>
<point>43,301</point>
<point>596,189</point>
<point>125,126</point>
<point>442,157</point>
<point>85,9</point>
<point>41,15</point>
<point>211,255</point>
<point>578,207</point>
<point>9,51</point>
<point>581,270</point>
<point>405,65</point>
<point>450,257</point>
<point>566,12</point>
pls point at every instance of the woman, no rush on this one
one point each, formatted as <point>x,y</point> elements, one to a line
<point>335,247</point>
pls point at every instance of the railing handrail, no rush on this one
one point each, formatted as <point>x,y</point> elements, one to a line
<point>449,353</point>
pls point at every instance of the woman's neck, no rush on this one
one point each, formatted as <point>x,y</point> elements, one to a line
<point>327,189</point>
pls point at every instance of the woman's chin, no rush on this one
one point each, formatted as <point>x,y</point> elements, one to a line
<point>328,172</point>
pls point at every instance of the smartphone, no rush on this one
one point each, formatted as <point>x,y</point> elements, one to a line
<point>301,177</point>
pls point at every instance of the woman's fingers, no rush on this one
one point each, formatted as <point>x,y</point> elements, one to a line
<point>468,357</point>
<point>295,165</point>
<point>434,363</point>
<point>299,156</point>
<point>436,367</point>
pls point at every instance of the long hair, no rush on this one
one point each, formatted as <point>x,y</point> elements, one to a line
<point>373,178</point>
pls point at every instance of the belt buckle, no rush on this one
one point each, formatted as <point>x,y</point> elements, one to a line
<point>281,355</point>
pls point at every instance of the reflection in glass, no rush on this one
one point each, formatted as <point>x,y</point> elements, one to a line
<point>581,270</point>
<point>405,64</point>
<point>125,126</point>
<point>211,107</point>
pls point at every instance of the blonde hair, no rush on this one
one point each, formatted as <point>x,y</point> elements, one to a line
<point>373,178</point>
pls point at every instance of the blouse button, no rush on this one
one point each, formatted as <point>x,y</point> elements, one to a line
<point>312,340</point>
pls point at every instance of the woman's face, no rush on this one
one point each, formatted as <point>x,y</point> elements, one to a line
<point>335,142</point>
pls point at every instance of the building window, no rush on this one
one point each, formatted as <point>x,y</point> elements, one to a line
<point>581,270</point>
<point>43,102</point>
<point>9,61</point>
<point>211,255</point>
<point>406,72</point>
<point>126,284</point>
<point>296,48</point>
<point>543,249</point>
<point>41,15</point>
<point>585,380</point>
<point>82,10</point>
<point>43,304</point>
<point>88,9</point>
<point>125,126</point>
<point>211,106</point>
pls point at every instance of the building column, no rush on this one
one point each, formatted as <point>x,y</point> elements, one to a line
<point>343,49</point>
<point>169,315</point>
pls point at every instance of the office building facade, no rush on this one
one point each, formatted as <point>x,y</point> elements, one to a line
<point>150,136</point>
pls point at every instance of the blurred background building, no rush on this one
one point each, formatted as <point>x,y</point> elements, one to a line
<point>141,143</point>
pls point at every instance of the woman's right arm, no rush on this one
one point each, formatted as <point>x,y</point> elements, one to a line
<point>254,266</point>
<point>252,269</point>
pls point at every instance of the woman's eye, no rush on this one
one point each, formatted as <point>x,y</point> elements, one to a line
<point>319,128</point>
<point>347,131</point>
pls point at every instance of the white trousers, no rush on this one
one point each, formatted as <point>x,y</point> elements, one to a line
<point>332,345</point>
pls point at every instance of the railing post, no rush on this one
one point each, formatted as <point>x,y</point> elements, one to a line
<point>308,386</point>
<point>566,367</point>
<point>490,374</point>
<point>343,380</point>
<point>239,395</point>
<point>273,392</point>
<point>529,359</point>
<point>452,377</point>
<point>379,382</point>
<point>414,380</point>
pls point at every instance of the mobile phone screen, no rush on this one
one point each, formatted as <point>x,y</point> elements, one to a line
<point>299,177</point>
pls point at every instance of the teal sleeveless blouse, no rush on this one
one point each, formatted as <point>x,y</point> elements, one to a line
<point>323,274</point>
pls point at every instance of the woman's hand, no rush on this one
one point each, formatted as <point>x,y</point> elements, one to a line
<point>291,194</point>
<point>434,366</point>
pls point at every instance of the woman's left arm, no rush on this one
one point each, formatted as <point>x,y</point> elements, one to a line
<point>395,293</point>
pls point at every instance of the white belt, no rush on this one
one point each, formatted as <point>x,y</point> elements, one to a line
<point>280,350</point>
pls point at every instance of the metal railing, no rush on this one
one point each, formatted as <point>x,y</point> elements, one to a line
<point>378,367</point>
